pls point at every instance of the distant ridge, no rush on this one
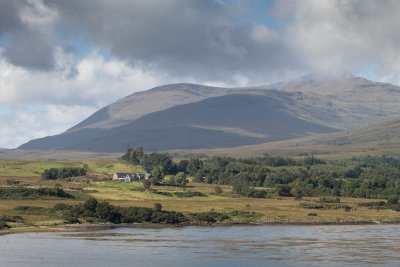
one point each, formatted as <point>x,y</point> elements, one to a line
<point>190,116</point>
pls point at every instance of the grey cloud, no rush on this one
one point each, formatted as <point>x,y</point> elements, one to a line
<point>8,16</point>
<point>352,35</point>
<point>200,39</point>
<point>30,49</point>
<point>28,46</point>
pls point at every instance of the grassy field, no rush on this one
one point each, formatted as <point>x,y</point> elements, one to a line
<point>240,209</point>
<point>22,169</point>
<point>243,210</point>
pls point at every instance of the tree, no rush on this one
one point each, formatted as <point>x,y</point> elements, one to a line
<point>158,172</point>
<point>133,155</point>
<point>194,166</point>
<point>149,161</point>
<point>182,166</point>
<point>180,179</point>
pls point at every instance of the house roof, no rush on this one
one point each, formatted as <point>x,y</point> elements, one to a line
<point>131,175</point>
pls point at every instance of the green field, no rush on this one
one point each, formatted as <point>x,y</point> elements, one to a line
<point>240,209</point>
<point>19,169</point>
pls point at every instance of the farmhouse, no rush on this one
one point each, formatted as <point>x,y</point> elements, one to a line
<point>130,177</point>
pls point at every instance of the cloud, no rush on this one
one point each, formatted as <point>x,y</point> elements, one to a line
<point>29,26</point>
<point>79,55</point>
<point>340,35</point>
<point>20,125</point>
<point>191,39</point>
<point>37,104</point>
<point>92,81</point>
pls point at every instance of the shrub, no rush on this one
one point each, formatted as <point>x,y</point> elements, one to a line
<point>3,225</point>
<point>61,173</point>
<point>167,194</point>
<point>209,217</point>
<point>329,200</point>
<point>94,211</point>
<point>72,220</point>
<point>312,206</point>
<point>283,191</point>
<point>12,182</point>
<point>373,204</point>
<point>157,207</point>
<point>312,214</point>
<point>14,218</point>
<point>60,207</point>
<point>32,193</point>
<point>257,193</point>
<point>29,209</point>
<point>189,194</point>
<point>218,190</point>
<point>392,201</point>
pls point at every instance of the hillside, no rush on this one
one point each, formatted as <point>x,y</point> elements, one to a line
<point>189,116</point>
<point>224,121</point>
<point>377,139</point>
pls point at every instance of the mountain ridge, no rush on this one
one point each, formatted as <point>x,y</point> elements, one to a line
<point>352,102</point>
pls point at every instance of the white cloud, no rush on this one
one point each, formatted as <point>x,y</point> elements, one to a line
<point>37,103</point>
<point>94,82</point>
<point>339,35</point>
<point>25,123</point>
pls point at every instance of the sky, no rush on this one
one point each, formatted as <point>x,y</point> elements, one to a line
<point>61,60</point>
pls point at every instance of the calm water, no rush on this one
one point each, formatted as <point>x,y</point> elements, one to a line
<point>364,245</point>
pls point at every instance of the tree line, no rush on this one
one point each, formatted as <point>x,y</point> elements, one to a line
<point>61,173</point>
<point>367,177</point>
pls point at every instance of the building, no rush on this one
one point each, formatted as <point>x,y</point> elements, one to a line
<point>130,177</point>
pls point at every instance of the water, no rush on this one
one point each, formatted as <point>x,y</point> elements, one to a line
<point>363,245</point>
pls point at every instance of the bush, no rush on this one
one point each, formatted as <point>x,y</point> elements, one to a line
<point>392,201</point>
<point>167,194</point>
<point>373,204</point>
<point>95,211</point>
<point>218,190</point>
<point>189,194</point>
<point>3,225</point>
<point>257,194</point>
<point>329,200</point>
<point>14,218</point>
<point>312,214</point>
<point>157,207</point>
<point>29,209</point>
<point>209,217</point>
<point>61,173</point>
<point>32,193</point>
<point>395,207</point>
<point>283,191</point>
<point>72,220</point>
<point>60,207</point>
<point>312,206</point>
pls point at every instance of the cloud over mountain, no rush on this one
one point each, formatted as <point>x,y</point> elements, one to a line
<point>83,53</point>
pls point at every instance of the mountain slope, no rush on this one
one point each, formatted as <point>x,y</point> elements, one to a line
<point>357,101</point>
<point>224,121</point>
<point>385,132</point>
<point>165,118</point>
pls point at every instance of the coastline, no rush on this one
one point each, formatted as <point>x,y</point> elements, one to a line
<point>98,227</point>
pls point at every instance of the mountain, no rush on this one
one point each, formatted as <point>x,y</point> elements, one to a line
<point>223,121</point>
<point>377,139</point>
<point>189,116</point>
<point>382,134</point>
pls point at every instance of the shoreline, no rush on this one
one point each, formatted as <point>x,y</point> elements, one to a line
<point>98,227</point>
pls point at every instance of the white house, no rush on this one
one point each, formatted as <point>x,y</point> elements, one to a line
<point>130,177</point>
